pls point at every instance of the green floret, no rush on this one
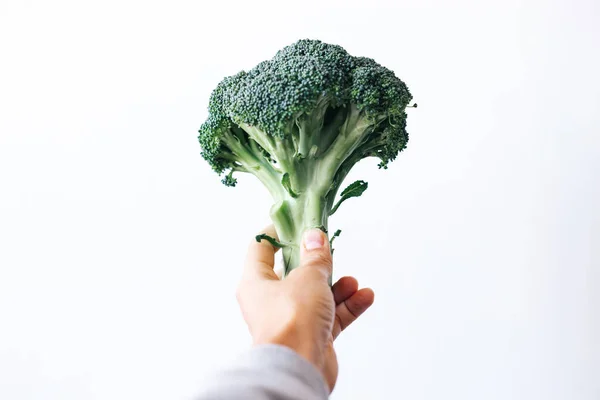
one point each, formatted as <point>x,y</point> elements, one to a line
<point>299,122</point>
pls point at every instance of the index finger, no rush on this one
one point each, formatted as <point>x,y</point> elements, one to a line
<point>260,259</point>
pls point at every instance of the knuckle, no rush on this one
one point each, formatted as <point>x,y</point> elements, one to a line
<point>320,259</point>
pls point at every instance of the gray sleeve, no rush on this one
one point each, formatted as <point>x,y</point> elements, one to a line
<point>267,372</point>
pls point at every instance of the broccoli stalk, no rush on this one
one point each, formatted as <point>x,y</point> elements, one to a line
<point>299,123</point>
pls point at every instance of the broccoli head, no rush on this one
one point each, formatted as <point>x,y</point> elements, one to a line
<point>299,122</point>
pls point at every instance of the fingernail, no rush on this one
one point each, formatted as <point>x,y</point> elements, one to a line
<point>313,239</point>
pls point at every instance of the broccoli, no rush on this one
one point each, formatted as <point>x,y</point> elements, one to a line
<point>299,122</point>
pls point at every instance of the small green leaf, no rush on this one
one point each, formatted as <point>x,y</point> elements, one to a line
<point>287,184</point>
<point>335,234</point>
<point>273,241</point>
<point>355,189</point>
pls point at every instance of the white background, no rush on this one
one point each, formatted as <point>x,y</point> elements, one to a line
<point>120,249</point>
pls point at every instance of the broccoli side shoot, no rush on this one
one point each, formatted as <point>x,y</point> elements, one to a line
<point>299,122</point>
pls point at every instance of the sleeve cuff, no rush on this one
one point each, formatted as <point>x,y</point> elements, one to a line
<point>286,360</point>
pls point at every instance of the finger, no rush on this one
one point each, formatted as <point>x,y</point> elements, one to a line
<point>349,310</point>
<point>260,258</point>
<point>344,288</point>
<point>315,252</point>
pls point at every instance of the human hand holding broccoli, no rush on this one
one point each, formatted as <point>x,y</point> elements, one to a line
<point>301,312</point>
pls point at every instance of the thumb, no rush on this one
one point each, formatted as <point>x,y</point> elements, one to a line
<point>315,252</point>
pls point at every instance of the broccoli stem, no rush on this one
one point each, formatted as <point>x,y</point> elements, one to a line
<point>252,161</point>
<point>292,217</point>
<point>304,188</point>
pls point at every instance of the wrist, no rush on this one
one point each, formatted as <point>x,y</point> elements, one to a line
<point>295,338</point>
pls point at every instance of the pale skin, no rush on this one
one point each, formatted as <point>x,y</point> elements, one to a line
<point>301,311</point>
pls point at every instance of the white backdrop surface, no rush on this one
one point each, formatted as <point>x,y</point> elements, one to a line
<point>120,250</point>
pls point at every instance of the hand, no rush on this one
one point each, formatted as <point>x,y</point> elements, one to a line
<point>301,311</point>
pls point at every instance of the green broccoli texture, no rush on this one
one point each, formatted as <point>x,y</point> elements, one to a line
<point>299,122</point>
